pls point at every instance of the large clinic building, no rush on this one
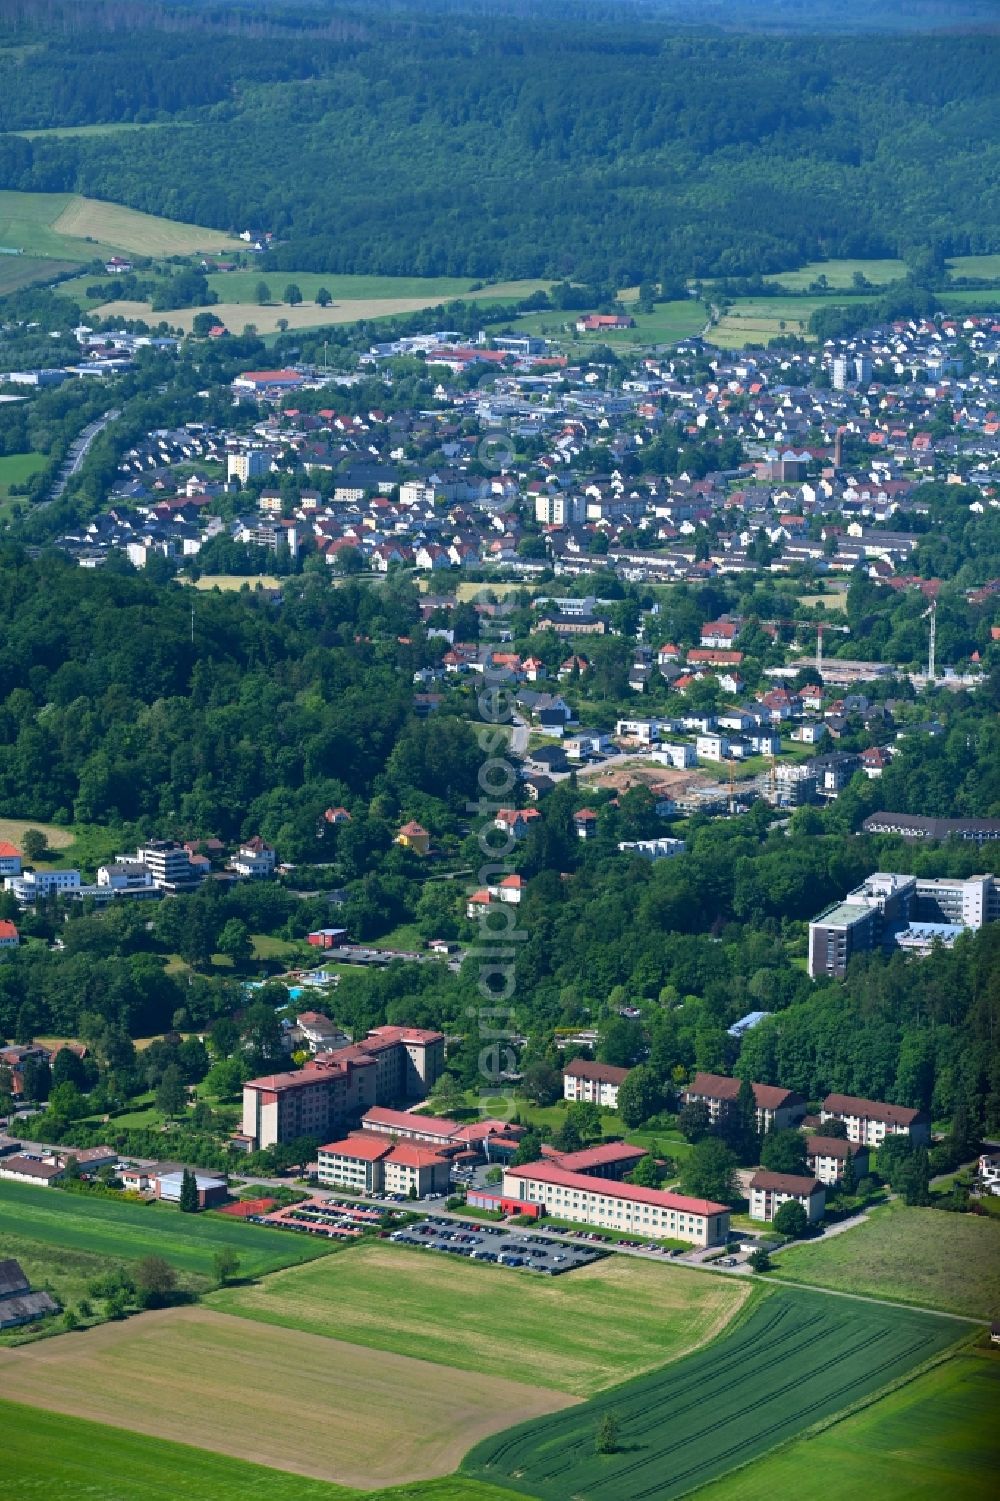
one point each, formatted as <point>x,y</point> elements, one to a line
<point>609,1205</point>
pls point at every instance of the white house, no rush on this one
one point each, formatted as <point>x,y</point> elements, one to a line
<point>826,1158</point>
<point>254,859</point>
<point>680,757</point>
<point>713,747</point>
<point>34,885</point>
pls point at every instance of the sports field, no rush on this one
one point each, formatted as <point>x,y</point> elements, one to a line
<point>296,1401</point>
<point>922,1256</point>
<point>796,1359</point>
<point>552,1332</point>
<point>934,1437</point>
<point>50,1221</point>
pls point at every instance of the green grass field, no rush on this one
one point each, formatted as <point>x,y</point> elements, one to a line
<point>795,1360</point>
<point>550,1332</point>
<point>16,468</point>
<point>668,322</point>
<point>921,1256</point>
<point>755,320</point>
<point>840,274</point>
<point>53,1459</point>
<point>48,1222</point>
<point>68,228</point>
<point>934,1437</point>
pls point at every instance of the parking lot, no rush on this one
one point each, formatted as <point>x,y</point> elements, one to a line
<point>494,1243</point>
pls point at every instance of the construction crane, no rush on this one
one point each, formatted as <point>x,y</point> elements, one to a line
<point>820,626</point>
<point>932,612</point>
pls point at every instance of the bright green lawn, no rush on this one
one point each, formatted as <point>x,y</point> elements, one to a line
<point>975,265</point>
<point>840,274</point>
<point>16,468</point>
<point>550,1332</point>
<point>57,1458</point>
<point>936,1437</point>
<point>48,1218</point>
<point>923,1256</point>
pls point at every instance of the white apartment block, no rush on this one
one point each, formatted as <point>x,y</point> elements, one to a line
<point>597,1083</point>
<point>869,1122</point>
<point>35,885</point>
<point>617,1206</point>
<point>768,1191</point>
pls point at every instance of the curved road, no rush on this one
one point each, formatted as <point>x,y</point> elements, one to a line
<point>77,452</point>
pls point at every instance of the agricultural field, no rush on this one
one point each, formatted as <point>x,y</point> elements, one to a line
<point>552,1333</point>
<point>311,1405</point>
<point>52,1456</point>
<point>796,1359</point>
<point>840,274</point>
<point>921,1256</point>
<point>48,1222</point>
<point>13,831</point>
<point>756,320</point>
<point>934,1436</point>
<point>235,315</point>
<point>71,229</point>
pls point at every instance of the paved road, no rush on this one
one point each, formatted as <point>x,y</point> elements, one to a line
<point>77,452</point>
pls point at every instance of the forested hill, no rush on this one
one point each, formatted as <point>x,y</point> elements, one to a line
<point>561,142</point>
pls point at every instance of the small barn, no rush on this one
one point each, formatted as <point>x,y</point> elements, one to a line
<point>18,1304</point>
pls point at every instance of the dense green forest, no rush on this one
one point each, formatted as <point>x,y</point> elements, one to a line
<point>614,148</point>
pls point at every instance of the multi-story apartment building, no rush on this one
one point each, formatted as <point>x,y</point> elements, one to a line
<point>908,911</point>
<point>826,1158</point>
<point>169,863</point>
<point>859,923</point>
<point>869,1122</point>
<point>919,826</point>
<point>335,1089</point>
<point>597,1083</point>
<point>768,1191</point>
<point>368,1164</point>
<point>606,1204</point>
<point>777,1109</point>
<point>35,885</point>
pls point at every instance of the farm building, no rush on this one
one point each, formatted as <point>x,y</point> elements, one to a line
<point>18,1304</point>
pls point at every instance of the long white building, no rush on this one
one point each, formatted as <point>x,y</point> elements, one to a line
<point>609,1205</point>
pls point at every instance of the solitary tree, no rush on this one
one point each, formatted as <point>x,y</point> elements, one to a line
<point>189,1192</point>
<point>263,293</point>
<point>694,1121</point>
<point>227,1265</point>
<point>709,1172</point>
<point>791,1219</point>
<point>171,1095</point>
<point>155,1281</point>
<point>647,1173</point>
<point>784,1152</point>
<point>323,298</point>
<point>234,941</point>
<point>760,1260</point>
<point>606,1441</point>
<point>849,1177</point>
<point>35,845</point>
<point>639,1096</point>
<point>293,295</point>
